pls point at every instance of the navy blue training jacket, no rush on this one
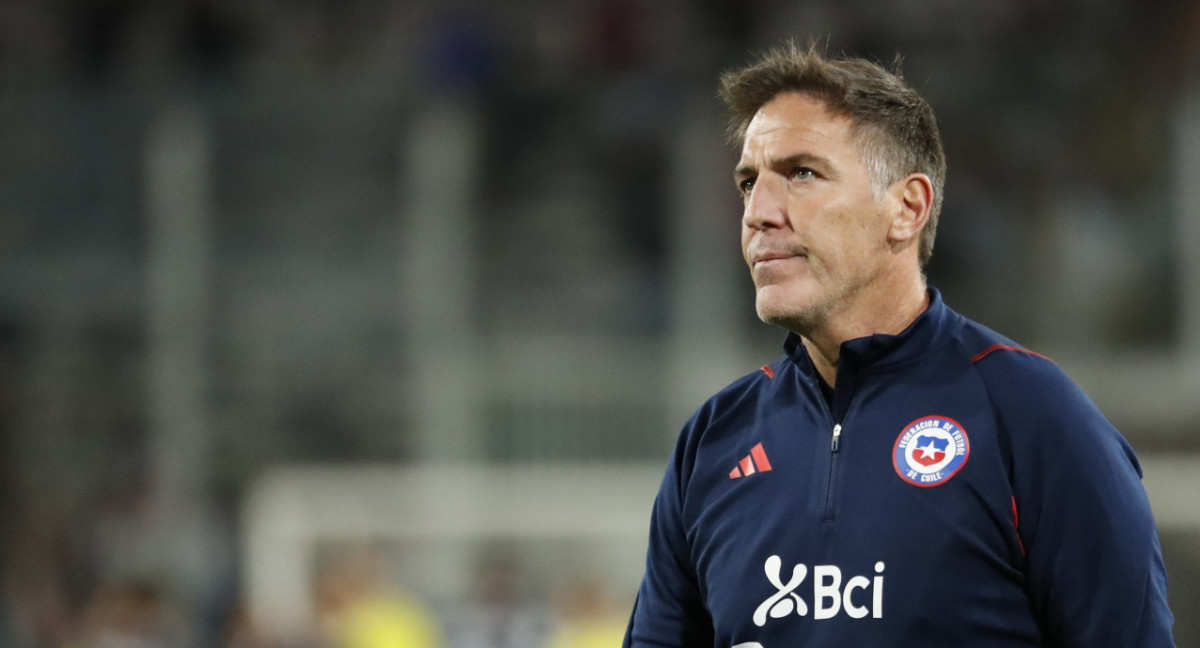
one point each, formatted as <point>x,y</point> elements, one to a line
<point>959,491</point>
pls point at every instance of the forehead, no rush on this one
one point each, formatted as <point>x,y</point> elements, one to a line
<point>794,119</point>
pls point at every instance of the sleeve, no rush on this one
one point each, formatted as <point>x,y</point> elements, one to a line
<point>669,611</point>
<point>1094,568</point>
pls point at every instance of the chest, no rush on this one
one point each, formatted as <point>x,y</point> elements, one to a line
<point>803,521</point>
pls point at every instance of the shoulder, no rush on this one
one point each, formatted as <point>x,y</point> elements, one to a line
<point>1009,369</point>
<point>722,413</point>
<point>740,393</point>
<point>1034,401</point>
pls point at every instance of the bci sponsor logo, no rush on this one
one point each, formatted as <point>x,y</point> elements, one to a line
<point>856,596</point>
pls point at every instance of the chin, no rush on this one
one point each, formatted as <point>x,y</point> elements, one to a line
<point>797,316</point>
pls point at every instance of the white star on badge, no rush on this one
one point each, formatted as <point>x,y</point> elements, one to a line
<point>928,451</point>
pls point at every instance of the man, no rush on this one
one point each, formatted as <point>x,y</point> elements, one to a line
<point>903,476</point>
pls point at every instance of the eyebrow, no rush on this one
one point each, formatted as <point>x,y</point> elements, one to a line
<point>744,171</point>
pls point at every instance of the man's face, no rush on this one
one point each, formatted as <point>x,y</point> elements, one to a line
<point>815,227</point>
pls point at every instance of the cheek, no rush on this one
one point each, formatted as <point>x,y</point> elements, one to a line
<point>846,250</point>
<point>857,230</point>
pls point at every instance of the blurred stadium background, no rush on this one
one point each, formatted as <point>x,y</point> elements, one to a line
<point>305,302</point>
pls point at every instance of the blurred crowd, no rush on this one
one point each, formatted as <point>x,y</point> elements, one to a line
<point>353,609</point>
<point>1055,114</point>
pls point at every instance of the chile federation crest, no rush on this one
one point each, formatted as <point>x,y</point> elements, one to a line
<point>930,450</point>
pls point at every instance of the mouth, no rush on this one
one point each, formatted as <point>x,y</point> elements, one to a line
<point>772,256</point>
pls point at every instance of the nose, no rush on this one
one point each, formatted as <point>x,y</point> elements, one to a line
<point>766,205</point>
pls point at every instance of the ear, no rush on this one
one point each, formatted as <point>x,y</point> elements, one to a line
<point>914,199</point>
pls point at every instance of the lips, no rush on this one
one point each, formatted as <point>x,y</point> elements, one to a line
<point>775,255</point>
<point>772,256</point>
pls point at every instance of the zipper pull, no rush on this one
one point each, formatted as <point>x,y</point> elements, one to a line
<point>837,433</point>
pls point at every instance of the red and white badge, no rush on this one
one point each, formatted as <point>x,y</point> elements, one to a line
<point>930,450</point>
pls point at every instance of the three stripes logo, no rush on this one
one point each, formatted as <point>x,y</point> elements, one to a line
<point>754,462</point>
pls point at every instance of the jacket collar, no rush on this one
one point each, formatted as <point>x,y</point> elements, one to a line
<point>881,349</point>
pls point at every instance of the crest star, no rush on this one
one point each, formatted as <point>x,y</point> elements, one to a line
<point>928,451</point>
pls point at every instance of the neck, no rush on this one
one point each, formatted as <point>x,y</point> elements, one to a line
<point>885,307</point>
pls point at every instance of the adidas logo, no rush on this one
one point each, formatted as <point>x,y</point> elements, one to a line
<point>754,462</point>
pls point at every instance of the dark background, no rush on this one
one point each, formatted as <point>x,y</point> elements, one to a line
<point>237,235</point>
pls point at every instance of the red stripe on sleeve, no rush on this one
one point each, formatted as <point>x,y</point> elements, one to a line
<point>1017,527</point>
<point>1004,347</point>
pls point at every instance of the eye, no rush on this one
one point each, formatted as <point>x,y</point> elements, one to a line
<point>746,186</point>
<point>801,173</point>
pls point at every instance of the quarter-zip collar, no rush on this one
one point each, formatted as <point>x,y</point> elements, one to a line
<point>881,350</point>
